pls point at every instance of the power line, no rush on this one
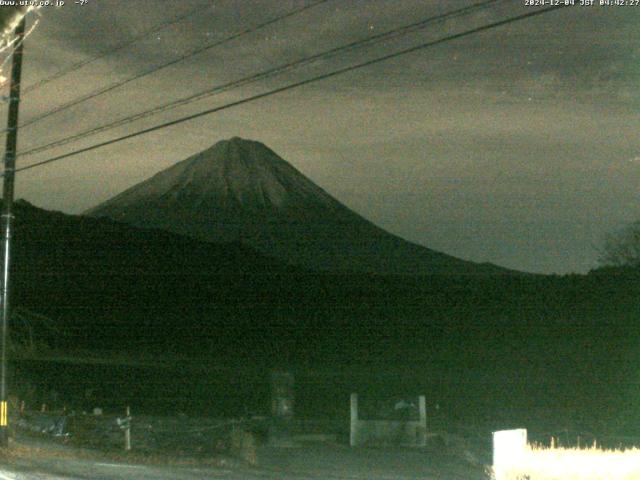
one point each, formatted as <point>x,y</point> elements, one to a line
<point>78,65</point>
<point>190,54</point>
<point>296,85</point>
<point>384,36</point>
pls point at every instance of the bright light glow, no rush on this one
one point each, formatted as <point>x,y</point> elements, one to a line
<point>7,34</point>
<point>8,39</point>
<point>509,446</point>
<point>540,463</point>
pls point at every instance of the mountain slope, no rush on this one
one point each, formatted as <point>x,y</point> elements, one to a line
<point>108,285</point>
<point>240,190</point>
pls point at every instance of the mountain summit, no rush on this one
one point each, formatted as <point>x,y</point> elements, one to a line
<point>241,190</point>
<point>233,174</point>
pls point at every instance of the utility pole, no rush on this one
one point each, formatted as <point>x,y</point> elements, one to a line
<point>7,220</point>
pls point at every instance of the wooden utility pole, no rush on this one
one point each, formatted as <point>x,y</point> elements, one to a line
<point>7,221</point>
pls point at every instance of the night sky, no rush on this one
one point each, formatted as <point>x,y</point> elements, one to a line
<point>518,146</point>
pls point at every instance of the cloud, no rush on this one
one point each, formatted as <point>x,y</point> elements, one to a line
<point>447,124</point>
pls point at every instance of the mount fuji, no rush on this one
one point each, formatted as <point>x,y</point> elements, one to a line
<point>240,190</point>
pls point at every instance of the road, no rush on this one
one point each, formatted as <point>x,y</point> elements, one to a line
<point>312,462</point>
<point>84,470</point>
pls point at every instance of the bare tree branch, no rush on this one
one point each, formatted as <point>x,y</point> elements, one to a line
<point>622,248</point>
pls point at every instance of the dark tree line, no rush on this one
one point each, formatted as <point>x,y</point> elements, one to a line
<point>622,248</point>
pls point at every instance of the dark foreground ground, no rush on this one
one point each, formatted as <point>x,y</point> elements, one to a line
<point>35,458</point>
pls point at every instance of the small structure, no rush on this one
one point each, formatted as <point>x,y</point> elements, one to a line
<point>405,432</point>
<point>282,403</point>
<point>282,396</point>
<point>509,448</point>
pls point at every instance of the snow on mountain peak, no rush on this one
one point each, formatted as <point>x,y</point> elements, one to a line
<point>236,172</point>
